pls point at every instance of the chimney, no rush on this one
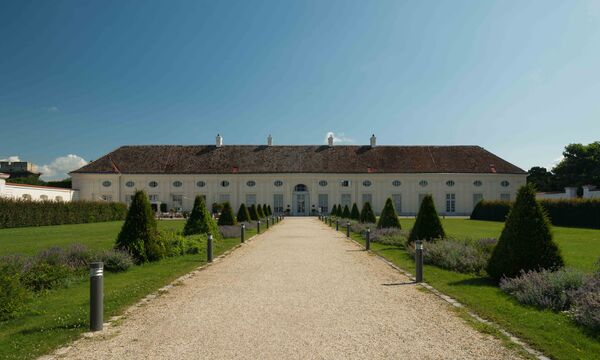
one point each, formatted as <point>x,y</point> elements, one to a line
<point>269,140</point>
<point>373,141</point>
<point>219,140</point>
<point>330,140</point>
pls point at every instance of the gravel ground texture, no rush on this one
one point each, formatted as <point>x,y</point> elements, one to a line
<point>298,291</point>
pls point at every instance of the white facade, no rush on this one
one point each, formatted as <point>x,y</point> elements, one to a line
<point>34,192</point>
<point>589,192</point>
<point>454,194</point>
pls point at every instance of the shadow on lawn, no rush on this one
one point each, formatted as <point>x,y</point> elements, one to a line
<point>475,281</point>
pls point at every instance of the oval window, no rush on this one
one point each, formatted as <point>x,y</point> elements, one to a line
<point>177,183</point>
<point>278,183</point>
<point>504,183</point>
<point>200,184</point>
<point>423,183</point>
<point>251,183</point>
<point>477,183</point>
<point>450,183</point>
<point>153,184</point>
<point>396,183</point>
<point>323,183</point>
<point>367,183</point>
<point>130,184</point>
<point>224,183</point>
<point>106,183</point>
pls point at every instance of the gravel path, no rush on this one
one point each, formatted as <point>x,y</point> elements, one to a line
<point>299,291</point>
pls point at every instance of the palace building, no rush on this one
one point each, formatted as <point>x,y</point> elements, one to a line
<point>302,179</point>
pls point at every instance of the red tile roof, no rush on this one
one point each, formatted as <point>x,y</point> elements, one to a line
<point>252,159</point>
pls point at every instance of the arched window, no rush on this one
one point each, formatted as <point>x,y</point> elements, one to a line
<point>300,187</point>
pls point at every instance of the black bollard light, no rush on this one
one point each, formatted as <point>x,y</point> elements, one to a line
<point>419,261</point>
<point>242,230</point>
<point>267,223</point>
<point>209,248</point>
<point>368,242</point>
<point>337,225</point>
<point>258,227</point>
<point>96,296</point>
<point>348,229</point>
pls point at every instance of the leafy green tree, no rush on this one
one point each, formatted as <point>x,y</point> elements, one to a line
<point>227,217</point>
<point>389,217</point>
<point>253,212</point>
<point>259,211</point>
<point>139,235</point>
<point>526,241</point>
<point>580,166</point>
<point>346,212</point>
<point>354,213</point>
<point>201,221</point>
<point>367,215</point>
<point>542,179</point>
<point>428,225</point>
<point>243,213</point>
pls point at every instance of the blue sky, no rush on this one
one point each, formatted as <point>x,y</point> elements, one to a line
<point>80,78</point>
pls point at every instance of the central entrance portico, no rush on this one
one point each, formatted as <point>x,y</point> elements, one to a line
<point>300,201</point>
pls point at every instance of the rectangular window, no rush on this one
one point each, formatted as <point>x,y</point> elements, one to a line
<point>450,203</point>
<point>278,203</point>
<point>346,200</point>
<point>345,183</point>
<point>397,200</point>
<point>250,199</point>
<point>223,198</point>
<point>107,198</point>
<point>324,203</point>
<point>505,197</point>
<point>177,200</point>
<point>367,198</point>
<point>153,197</point>
<point>476,199</point>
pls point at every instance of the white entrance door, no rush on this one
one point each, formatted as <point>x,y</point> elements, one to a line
<point>300,200</point>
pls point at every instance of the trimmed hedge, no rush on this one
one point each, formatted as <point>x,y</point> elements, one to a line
<point>21,213</point>
<point>583,213</point>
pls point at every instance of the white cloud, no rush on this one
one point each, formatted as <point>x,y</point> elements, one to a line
<point>11,158</point>
<point>60,167</point>
<point>338,138</point>
<point>52,109</point>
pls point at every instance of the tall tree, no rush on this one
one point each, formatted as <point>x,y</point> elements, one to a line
<point>542,179</point>
<point>526,241</point>
<point>580,165</point>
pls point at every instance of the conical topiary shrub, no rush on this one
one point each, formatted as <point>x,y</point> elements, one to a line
<point>227,217</point>
<point>367,215</point>
<point>388,218</point>
<point>265,210</point>
<point>526,240</point>
<point>253,212</point>
<point>269,211</point>
<point>333,210</point>
<point>243,214</point>
<point>428,225</point>
<point>354,213</point>
<point>201,221</point>
<point>259,211</point>
<point>346,212</point>
<point>139,235</point>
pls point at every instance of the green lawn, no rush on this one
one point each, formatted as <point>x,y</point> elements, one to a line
<point>59,316</point>
<point>30,240</point>
<point>552,333</point>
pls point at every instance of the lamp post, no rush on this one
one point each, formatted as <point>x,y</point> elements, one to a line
<point>209,248</point>
<point>348,229</point>
<point>337,224</point>
<point>419,261</point>
<point>368,241</point>
<point>242,230</point>
<point>96,296</point>
<point>258,227</point>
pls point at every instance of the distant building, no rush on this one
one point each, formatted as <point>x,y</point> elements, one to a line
<point>34,192</point>
<point>18,169</point>
<point>303,179</point>
<point>589,192</point>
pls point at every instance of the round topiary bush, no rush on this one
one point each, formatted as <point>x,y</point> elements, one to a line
<point>428,225</point>
<point>389,217</point>
<point>227,217</point>
<point>201,221</point>
<point>526,241</point>
<point>354,213</point>
<point>243,213</point>
<point>367,215</point>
